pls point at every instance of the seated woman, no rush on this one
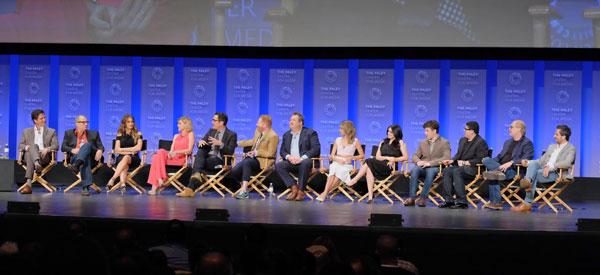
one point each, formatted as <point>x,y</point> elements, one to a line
<point>127,147</point>
<point>183,144</point>
<point>342,155</point>
<point>391,150</point>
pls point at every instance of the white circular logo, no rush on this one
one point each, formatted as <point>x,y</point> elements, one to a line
<point>514,113</point>
<point>74,104</point>
<point>286,92</point>
<point>375,93</point>
<point>242,108</point>
<point>467,95</point>
<point>157,105</point>
<point>374,127</point>
<point>115,89</point>
<point>420,111</point>
<point>331,76</point>
<point>34,88</point>
<point>330,109</point>
<point>562,96</point>
<point>199,91</point>
<point>75,72</point>
<point>157,73</point>
<point>243,75</point>
<point>515,78</point>
<point>422,77</point>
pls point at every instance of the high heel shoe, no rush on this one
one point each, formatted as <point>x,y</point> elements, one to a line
<point>110,184</point>
<point>319,199</point>
<point>370,201</point>
<point>122,188</point>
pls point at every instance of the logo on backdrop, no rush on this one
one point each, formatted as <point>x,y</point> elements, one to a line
<point>286,92</point>
<point>114,121</point>
<point>514,113</point>
<point>199,91</point>
<point>75,72</point>
<point>422,77</point>
<point>331,76</point>
<point>562,96</point>
<point>375,93</point>
<point>467,95</point>
<point>243,75</point>
<point>157,73</point>
<point>374,127</point>
<point>242,108</point>
<point>115,89</point>
<point>515,79</point>
<point>74,104</point>
<point>330,109</point>
<point>34,88</point>
<point>199,123</point>
<point>157,106</point>
<point>421,111</point>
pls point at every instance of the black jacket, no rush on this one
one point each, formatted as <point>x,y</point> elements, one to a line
<point>308,144</point>
<point>70,141</point>
<point>229,141</point>
<point>472,153</point>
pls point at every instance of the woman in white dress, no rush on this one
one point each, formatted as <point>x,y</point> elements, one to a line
<point>342,155</point>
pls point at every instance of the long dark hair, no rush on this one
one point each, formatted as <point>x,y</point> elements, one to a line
<point>397,131</point>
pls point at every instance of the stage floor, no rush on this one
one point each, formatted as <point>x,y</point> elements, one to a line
<point>339,212</point>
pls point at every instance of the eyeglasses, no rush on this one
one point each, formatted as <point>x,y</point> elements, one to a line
<point>467,129</point>
<point>83,122</point>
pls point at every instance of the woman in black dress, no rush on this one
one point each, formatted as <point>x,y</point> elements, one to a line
<point>127,147</point>
<point>391,150</point>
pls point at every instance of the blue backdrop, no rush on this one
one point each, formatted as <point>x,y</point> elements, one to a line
<point>372,93</point>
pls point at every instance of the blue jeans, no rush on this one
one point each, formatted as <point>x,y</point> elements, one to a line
<point>85,155</point>
<point>415,174</point>
<point>535,174</point>
<point>493,186</point>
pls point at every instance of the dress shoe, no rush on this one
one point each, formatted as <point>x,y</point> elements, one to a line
<point>85,192</point>
<point>493,206</point>
<point>525,184</point>
<point>523,207</point>
<point>300,196</point>
<point>459,206</point>
<point>420,202</point>
<point>187,192</point>
<point>409,202</point>
<point>494,175</point>
<point>242,195</point>
<point>26,190</point>
<point>447,204</point>
<point>293,193</point>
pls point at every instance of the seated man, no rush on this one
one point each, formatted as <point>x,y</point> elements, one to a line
<point>262,154</point>
<point>515,149</point>
<point>38,142</point>
<point>430,153</point>
<point>471,150</point>
<point>216,143</point>
<point>558,155</point>
<point>84,145</point>
<point>299,145</point>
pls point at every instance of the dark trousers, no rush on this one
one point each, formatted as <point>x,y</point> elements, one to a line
<point>454,178</point>
<point>204,163</point>
<point>284,167</point>
<point>31,156</point>
<point>245,169</point>
<point>85,155</point>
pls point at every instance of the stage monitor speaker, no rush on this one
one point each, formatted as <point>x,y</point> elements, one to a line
<point>8,171</point>
<point>588,225</point>
<point>212,215</point>
<point>385,220</point>
<point>23,207</point>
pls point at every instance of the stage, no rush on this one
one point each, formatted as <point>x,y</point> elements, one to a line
<point>337,212</point>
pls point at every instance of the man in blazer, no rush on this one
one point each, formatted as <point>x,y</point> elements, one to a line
<point>261,155</point>
<point>471,150</point>
<point>84,146</point>
<point>299,145</point>
<point>430,153</point>
<point>515,149</point>
<point>38,142</point>
<point>216,143</point>
<point>558,155</point>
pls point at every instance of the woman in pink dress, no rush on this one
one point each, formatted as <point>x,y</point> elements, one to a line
<point>183,144</point>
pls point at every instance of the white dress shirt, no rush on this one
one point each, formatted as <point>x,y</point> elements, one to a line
<point>39,137</point>
<point>554,156</point>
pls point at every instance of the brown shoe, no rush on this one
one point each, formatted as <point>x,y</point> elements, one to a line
<point>293,193</point>
<point>525,184</point>
<point>186,193</point>
<point>25,190</point>
<point>523,207</point>
<point>196,176</point>
<point>299,196</point>
<point>421,202</point>
<point>409,202</point>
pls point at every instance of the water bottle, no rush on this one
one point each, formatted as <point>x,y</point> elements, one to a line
<point>270,190</point>
<point>5,152</point>
<point>2,155</point>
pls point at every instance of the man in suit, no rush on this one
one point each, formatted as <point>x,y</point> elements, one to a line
<point>299,146</point>
<point>430,153</point>
<point>83,145</point>
<point>261,155</point>
<point>471,150</point>
<point>515,149</point>
<point>558,155</point>
<point>216,143</point>
<point>39,143</point>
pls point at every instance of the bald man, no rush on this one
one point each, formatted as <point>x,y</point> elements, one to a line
<point>86,149</point>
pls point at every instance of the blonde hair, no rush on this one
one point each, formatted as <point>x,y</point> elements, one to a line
<point>123,127</point>
<point>521,124</point>
<point>348,127</point>
<point>187,123</point>
<point>267,120</point>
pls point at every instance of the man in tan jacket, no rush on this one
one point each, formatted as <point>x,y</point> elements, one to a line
<point>432,150</point>
<point>261,155</point>
<point>38,143</point>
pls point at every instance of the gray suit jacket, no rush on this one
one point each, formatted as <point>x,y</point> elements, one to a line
<point>28,138</point>
<point>565,158</point>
